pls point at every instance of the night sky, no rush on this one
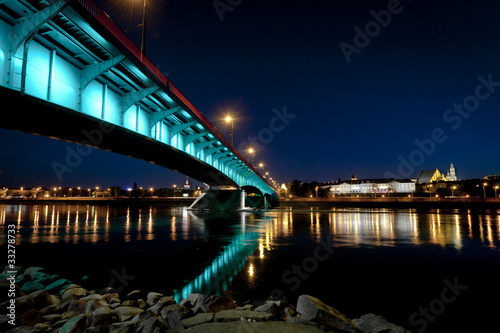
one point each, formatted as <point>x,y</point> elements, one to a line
<point>414,90</point>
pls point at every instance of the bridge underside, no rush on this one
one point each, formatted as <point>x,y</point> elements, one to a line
<point>35,116</point>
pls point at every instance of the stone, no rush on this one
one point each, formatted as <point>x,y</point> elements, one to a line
<point>31,286</point>
<point>26,329</point>
<point>161,303</point>
<point>129,302</point>
<point>253,327</point>
<point>29,317</point>
<point>200,318</point>
<point>47,279</point>
<point>241,315</point>
<point>371,323</point>
<point>56,286</point>
<point>75,324</point>
<point>24,303</point>
<point>51,318</point>
<point>93,305</point>
<point>93,297</point>
<point>42,299</point>
<point>173,314</point>
<point>246,307</point>
<point>315,310</point>
<point>134,295</point>
<point>205,303</point>
<point>32,270</point>
<point>127,312</point>
<point>74,293</point>
<point>124,327</point>
<point>48,310</point>
<point>142,303</point>
<point>153,297</point>
<point>75,308</point>
<point>102,316</point>
<point>111,298</point>
<point>268,307</point>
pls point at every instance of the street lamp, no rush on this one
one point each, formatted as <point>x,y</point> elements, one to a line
<point>231,120</point>
<point>143,43</point>
<point>252,151</point>
<point>484,189</point>
<point>452,188</point>
<point>496,188</point>
<point>174,189</point>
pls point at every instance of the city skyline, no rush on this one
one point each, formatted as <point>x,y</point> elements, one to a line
<point>386,88</point>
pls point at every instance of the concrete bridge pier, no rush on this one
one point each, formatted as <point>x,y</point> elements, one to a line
<point>217,199</point>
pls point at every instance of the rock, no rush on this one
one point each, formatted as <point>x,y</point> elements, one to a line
<point>173,314</point>
<point>127,312</point>
<point>268,307</point>
<point>51,318</point>
<point>32,270</point>
<point>371,323</point>
<point>76,307</point>
<point>153,297</point>
<point>111,298</point>
<point>142,303</point>
<point>94,329</point>
<point>253,327</point>
<point>26,329</point>
<point>48,310</point>
<point>134,295</point>
<point>246,307</point>
<point>56,286</point>
<point>93,305</point>
<point>314,310</point>
<point>24,303</point>
<point>74,325</point>
<point>129,302</point>
<point>31,286</point>
<point>47,279</point>
<point>102,316</point>
<point>42,299</point>
<point>93,297</point>
<point>125,327</point>
<point>241,315</point>
<point>204,303</point>
<point>29,317</point>
<point>160,304</point>
<point>200,318</point>
<point>74,293</point>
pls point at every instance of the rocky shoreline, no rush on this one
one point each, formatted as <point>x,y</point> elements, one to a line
<point>36,301</point>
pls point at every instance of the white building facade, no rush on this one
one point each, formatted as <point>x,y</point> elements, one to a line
<point>371,186</point>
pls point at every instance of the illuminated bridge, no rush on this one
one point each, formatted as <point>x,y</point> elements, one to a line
<point>72,74</point>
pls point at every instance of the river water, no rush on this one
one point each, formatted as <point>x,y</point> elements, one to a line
<point>425,269</point>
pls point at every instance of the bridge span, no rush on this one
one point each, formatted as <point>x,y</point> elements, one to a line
<point>72,74</point>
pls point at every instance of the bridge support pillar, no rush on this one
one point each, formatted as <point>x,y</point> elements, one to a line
<point>227,200</point>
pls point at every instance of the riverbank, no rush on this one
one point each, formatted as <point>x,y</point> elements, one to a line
<point>36,301</point>
<point>167,200</point>
<point>396,202</point>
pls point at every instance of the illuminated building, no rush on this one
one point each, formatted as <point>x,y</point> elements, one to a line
<point>371,186</point>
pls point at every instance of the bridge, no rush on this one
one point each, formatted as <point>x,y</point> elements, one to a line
<point>72,74</point>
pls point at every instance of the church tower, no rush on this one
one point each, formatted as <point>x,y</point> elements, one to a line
<point>451,174</point>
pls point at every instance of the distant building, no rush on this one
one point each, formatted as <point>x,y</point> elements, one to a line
<point>370,186</point>
<point>186,185</point>
<point>435,175</point>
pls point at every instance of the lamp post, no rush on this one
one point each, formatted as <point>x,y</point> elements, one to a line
<point>484,189</point>
<point>230,120</point>
<point>143,43</point>
<point>174,189</point>
<point>453,188</point>
<point>496,188</point>
<point>252,151</point>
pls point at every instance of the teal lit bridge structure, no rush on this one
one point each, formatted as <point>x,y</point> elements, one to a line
<point>72,74</point>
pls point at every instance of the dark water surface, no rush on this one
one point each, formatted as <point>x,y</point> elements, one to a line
<point>427,270</point>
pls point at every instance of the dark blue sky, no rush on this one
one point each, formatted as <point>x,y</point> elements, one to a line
<point>374,115</point>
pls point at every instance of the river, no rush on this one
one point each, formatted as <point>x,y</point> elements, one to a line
<point>425,269</point>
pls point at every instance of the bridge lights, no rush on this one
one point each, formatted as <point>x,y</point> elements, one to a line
<point>252,151</point>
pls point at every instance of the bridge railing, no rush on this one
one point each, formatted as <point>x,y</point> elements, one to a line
<point>108,24</point>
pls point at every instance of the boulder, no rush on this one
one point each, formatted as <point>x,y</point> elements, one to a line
<point>56,286</point>
<point>173,314</point>
<point>205,303</point>
<point>313,309</point>
<point>127,312</point>
<point>51,318</point>
<point>200,318</point>
<point>24,303</point>
<point>161,303</point>
<point>93,305</point>
<point>124,327</point>
<point>75,308</point>
<point>153,297</point>
<point>42,299</point>
<point>75,324</point>
<point>74,293</point>
<point>32,270</point>
<point>102,316</point>
<point>29,317</point>
<point>241,315</point>
<point>371,323</point>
